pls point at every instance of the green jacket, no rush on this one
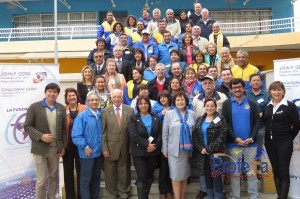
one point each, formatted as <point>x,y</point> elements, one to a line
<point>36,125</point>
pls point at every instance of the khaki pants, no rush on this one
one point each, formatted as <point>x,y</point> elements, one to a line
<point>46,166</point>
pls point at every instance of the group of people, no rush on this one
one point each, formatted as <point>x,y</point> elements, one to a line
<point>164,107</point>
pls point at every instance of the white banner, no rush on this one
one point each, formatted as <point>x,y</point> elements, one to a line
<point>20,86</point>
<point>288,72</point>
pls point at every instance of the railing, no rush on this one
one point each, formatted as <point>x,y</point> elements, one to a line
<point>76,32</point>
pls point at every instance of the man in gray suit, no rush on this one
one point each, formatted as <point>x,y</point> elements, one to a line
<point>45,124</point>
<point>115,147</point>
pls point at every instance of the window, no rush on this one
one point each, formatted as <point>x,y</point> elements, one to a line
<point>63,19</point>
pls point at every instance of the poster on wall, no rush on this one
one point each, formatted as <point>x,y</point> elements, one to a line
<point>288,71</point>
<point>21,85</point>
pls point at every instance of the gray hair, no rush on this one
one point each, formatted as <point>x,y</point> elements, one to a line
<point>160,64</point>
<point>224,48</point>
<point>156,9</point>
<point>169,10</point>
<point>116,47</point>
<point>245,52</point>
<point>90,94</point>
<point>205,9</point>
<point>116,91</point>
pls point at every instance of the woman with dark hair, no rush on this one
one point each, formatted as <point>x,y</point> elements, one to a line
<point>190,83</point>
<point>211,56</point>
<point>149,73</point>
<point>198,59</point>
<point>101,92</point>
<point>183,20</point>
<point>177,144</point>
<point>130,23</point>
<point>101,44</point>
<point>209,137</point>
<point>188,49</point>
<point>139,60</point>
<point>114,38</point>
<point>175,57</point>
<point>71,152</point>
<point>145,136</point>
<point>131,89</point>
<point>145,16</point>
<point>160,108</point>
<point>282,126</point>
<point>86,84</point>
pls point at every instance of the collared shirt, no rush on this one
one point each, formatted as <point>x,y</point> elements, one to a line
<point>120,109</point>
<point>241,118</point>
<point>44,104</point>
<point>260,99</point>
<point>94,113</point>
<point>282,102</point>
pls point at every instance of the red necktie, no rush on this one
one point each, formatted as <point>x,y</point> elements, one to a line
<point>118,116</point>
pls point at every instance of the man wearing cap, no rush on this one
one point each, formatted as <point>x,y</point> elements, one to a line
<point>173,25</point>
<point>198,104</point>
<point>146,45</point>
<point>99,65</point>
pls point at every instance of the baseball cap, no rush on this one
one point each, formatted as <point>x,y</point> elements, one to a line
<point>145,32</point>
<point>208,77</point>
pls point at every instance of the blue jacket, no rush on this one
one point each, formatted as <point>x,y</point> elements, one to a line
<point>196,89</point>
<point>157,109</point>
<point>105,29</point>
<point>87,131</point>
<point>148,75</point>
<point>164,52</point>
<point>152,48</point>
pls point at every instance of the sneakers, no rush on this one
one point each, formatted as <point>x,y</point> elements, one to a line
<point>201,195</point>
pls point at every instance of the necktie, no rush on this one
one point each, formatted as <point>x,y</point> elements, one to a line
<point>119,66</point>
<point>98,69</point>
<point>118,116</point>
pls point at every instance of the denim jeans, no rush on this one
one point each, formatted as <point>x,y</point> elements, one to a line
<point>90,177</point>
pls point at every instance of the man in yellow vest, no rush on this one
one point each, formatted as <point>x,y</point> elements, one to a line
<point>107,26</point>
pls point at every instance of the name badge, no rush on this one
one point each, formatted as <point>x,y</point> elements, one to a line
<point>216,120</point>
<point>150,50</point>
<point>67,112</point>
<point>260,100</point>
<point>127,52</point>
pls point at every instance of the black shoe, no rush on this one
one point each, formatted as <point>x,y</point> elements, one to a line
<point>201,195</point>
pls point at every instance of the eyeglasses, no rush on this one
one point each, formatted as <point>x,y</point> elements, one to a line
<point>236,88</point>
<point>98,56</point>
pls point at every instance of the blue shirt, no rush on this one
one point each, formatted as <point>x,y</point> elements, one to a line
<point>241,119</point>
<point>44,104</point>
<point>147,120</point>
<point>204,127</point>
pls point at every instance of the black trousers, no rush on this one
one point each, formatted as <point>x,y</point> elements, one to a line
<point>144,167</point>
<point>280,153</point>
<point>212,181</point>
<point>71,154</point>
<point>165,183</point>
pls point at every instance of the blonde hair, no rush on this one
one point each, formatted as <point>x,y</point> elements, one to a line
<point>82,73</point>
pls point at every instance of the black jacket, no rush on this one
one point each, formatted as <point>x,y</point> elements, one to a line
<point>283,124</point>
<point>101,72</point>
<point>153,92</point>
<point>224,89</point>
<point>139,135</point>
<point>91,60</point>
<point>254,119</point>
<point>206,29</point>
<point>216,139</point>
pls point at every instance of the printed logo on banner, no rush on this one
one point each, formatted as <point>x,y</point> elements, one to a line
<point>14,131</point>
<point>39,76</point>
<point>223,164</point>
<point>297,103</point>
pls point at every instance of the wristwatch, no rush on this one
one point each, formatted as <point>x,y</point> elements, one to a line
<point>251,140</point>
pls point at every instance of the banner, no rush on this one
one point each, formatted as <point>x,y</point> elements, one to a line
<point>288,72</point>
<point>21,85</point>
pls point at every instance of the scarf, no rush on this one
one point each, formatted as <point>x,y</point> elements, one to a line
<point>116,83</point>
<point>185,142</point>
<point>189,84</point>
<point>219,41</point>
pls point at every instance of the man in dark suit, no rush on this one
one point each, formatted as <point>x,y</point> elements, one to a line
<point>99,65</point>
<point>115,147</point>
<point>122,64</point>
<point>159,83</point>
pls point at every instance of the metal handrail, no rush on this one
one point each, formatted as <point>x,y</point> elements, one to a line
<point>90,31</point>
